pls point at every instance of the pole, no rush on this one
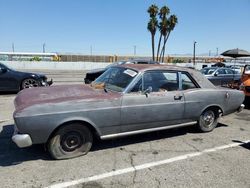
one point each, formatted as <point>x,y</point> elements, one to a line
<point>13,47</point>
<point>194,53</point>
<point>217,51</point>
<point>43,47</point>
<point>134,50</point>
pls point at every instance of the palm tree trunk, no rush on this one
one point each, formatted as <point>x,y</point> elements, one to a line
<point>158,49</point>
<point>164,46</point>
<point>153,47</point>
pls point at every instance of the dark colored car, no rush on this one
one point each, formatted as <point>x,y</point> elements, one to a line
<point>12,80</point>
<point>221,76</point>
<point>93,74</point>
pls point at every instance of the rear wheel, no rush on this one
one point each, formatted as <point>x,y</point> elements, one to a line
<point>70,141</point>
<point>208,120</point>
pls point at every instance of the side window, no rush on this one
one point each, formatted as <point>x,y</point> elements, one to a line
<point>137,87</point>
<point>160,81</point>
<point>221,71</point>
<point>187,83</point>
<point>228,71</point>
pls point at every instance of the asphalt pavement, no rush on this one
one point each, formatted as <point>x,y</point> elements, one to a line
<point>181,157</point>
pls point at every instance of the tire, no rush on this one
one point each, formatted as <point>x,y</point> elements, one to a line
<point>71,140</point>
<point>29,82</point>
<point>208,120</point>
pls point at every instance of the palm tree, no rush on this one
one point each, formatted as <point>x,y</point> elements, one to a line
<point>153,11</point>
<point>152,26</point>
<point>171,23</point>
<point>164,11</point>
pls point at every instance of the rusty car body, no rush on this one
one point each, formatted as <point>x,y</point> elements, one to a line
<point>131,99</point>
<point>245,81</point>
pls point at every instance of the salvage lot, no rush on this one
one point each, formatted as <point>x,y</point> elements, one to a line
<point>228,166</point>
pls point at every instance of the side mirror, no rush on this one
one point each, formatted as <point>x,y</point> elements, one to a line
<point>3,70</point>
<point>147,91</point>
<point>216,74</point>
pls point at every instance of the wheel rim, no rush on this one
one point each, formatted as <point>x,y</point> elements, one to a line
<point>208,119</point>
<point>28,83</point>
<point>71,141</point>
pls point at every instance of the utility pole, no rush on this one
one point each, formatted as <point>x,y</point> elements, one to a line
<point>91,50</point>
<point>43,47</point>
<point>134,50</point>
<point>13,47</point>
<point>194,53</point>
<point>217,51</point>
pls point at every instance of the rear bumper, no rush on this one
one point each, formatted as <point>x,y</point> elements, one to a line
<point>242,106</point>
<point>21,140</point>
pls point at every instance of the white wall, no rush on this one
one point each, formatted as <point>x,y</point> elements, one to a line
<point>50,65</point>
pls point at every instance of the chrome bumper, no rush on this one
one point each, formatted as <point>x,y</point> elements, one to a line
<point>21,140</point>
<point>242,106</point>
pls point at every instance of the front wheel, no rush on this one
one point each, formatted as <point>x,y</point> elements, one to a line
<point>70,141</point>
<point>28,83</point>
<point>208,120</point>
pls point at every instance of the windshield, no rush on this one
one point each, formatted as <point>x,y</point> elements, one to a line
<point>116,78</point>
<point>208,71</point>
<point>4,66</point>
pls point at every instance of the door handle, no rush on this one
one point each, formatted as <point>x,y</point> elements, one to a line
<point>177,97</point>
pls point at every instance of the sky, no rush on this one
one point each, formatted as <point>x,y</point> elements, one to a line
<point>115,27</point>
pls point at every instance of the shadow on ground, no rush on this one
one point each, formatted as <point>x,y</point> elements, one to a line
<point>11,155</point>
<point>244,145</point>
<point>2,93</point>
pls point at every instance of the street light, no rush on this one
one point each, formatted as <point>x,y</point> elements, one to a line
<point>194,53</point>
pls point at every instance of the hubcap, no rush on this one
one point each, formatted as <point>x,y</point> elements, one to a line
<point>208,119</point>
<point>28,83</point>
<point>71,141</point>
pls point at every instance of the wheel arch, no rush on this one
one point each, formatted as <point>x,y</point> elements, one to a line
<point>216,108</point>
<point>86,123</point>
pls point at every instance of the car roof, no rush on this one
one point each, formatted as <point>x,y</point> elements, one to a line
<point>197,75</point>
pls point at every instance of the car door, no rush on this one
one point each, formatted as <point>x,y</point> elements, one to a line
<point>163,106</point>
<point>7,81</point>
<point>222,77</point>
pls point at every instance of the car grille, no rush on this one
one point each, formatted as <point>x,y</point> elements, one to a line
<point>247,88</point>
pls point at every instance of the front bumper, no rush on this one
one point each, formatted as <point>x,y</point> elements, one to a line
<point>46,83</point>
<point>21,140</point>
<point>242,106</point>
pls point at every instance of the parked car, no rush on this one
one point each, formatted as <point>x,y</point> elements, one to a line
<point>221,76</point>
<point>136,99</point>
<point>245,81</point>
<point>93,74</point>
<point>12,80</point>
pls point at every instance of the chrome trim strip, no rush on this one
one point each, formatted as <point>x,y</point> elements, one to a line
<point>110,136</point>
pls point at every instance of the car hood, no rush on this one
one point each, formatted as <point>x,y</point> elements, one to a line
<point>30,74</point>
<point>62,93</point>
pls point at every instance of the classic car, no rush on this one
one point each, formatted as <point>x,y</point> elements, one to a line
<point>125,100</point>
<point>12,80</point>
<point>93,74</point>
<point>245,81</point>
<point>221,76</point>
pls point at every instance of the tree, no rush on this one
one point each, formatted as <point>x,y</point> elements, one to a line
<point>164,11</point>
<point>152,26</point>
<point>171,22</point>
<point>166,25</point>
